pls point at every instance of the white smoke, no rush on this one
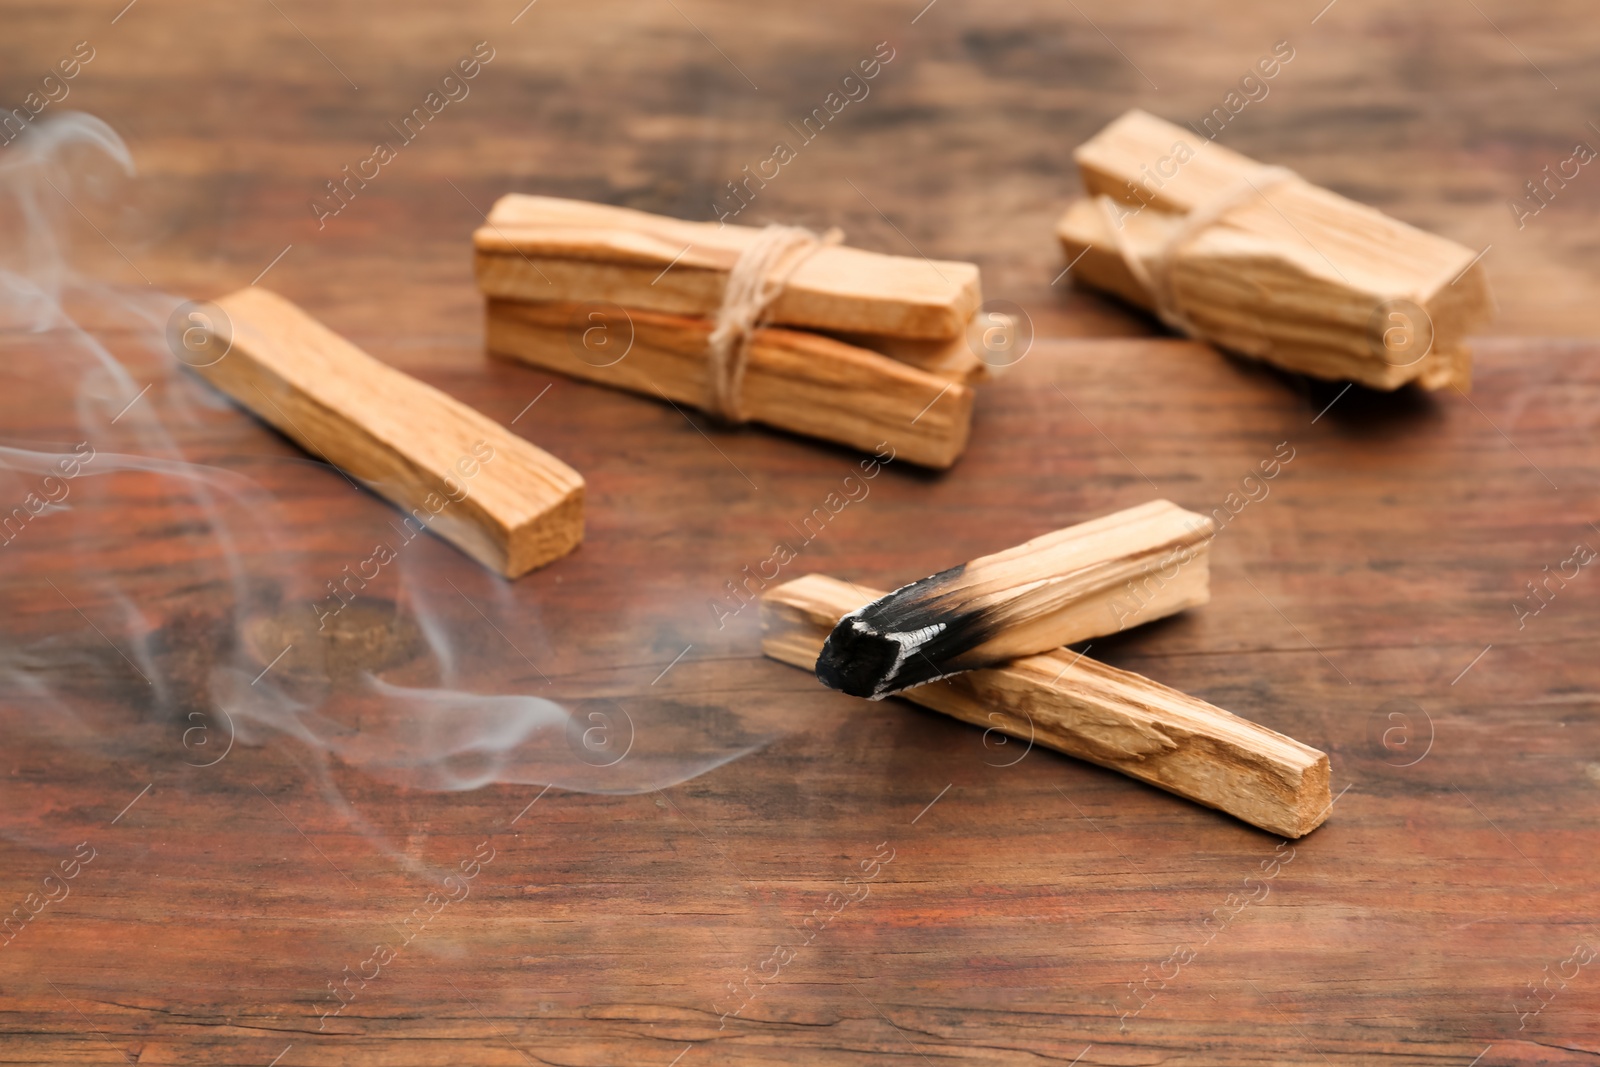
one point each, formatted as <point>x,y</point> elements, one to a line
<point>159,597</point>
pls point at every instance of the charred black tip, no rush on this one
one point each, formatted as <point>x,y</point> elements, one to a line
<point>856,661</point>
<point>900,640</point>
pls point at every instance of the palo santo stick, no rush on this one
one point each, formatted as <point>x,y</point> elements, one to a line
<point>1291,273</point>
<point>1080,582</point>
<point>795,381</point>
<point>502,501</point>
<point>1086,709</point>
<point>546,249</point>
<point>953,360</point>
<point>961,359</point>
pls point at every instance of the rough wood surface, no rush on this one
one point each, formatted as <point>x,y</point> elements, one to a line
<point>504,502</point>
<point>795,380</point>
<point>542,248</point>
<point>957,358</point>
<point>1292,273</point>
<point>1087,580</point>
<point>1066,701</point>
<point>1025,897</point>
<point>1224,278</point>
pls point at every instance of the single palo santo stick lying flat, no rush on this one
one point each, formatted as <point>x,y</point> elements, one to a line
<point>1097,713</point>
<point>794,381</point>
<point>1268,265</point>
<point>504,502</point>
<point>546,249</point>
<point>1084,581</point>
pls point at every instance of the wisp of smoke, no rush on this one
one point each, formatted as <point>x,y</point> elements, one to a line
<point>161,552</point>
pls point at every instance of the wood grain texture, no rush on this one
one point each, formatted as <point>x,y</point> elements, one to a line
<point>542,248</point>
<point>956,358</point>
<point>1088,580</point>
<point>615,922</point>
<point>504,502</point>
<point>1290,273</point>
<point>1227,279</point>
<point>1026,899</point>
<point>1117,719</point>
<point>794,380</point>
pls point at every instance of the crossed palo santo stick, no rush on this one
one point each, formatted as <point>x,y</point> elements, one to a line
<point>1051,591</point>
<point>982,642</point>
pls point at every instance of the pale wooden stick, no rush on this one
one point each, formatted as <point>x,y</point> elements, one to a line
<point>507,504</point>
<point>1086,709</point>
<point>795,381</point>
<point>1094,578</point>
<point>546,249</point>
<point>956,358</point>
<point>1293,274</point>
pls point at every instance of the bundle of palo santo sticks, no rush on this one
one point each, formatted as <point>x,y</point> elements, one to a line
<point>1265,264</point>
<point>983,642</point>
<point>776,326</point>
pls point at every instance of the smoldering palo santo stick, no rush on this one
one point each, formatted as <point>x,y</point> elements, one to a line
<point>1062,587</point>
<point>1071,703</point>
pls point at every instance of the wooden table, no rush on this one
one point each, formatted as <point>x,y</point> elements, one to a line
<point>1032,908</point>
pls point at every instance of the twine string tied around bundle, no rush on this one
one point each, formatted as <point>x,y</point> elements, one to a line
<point>755,281</point>
<point>1154,273</point>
